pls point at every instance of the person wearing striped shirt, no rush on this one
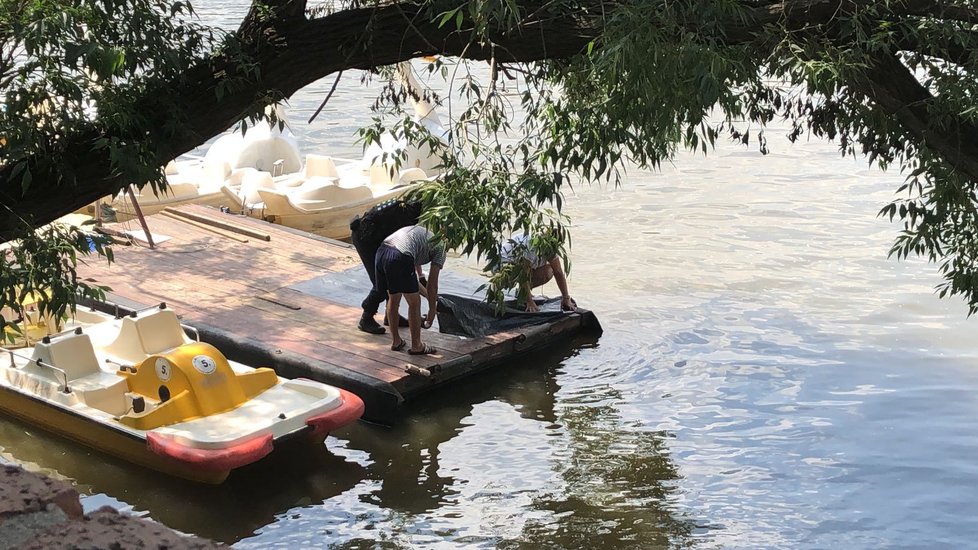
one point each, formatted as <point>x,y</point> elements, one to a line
<point>396,268</point>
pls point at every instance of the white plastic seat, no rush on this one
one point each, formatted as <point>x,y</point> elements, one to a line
<point>72,353</point>
<point>320,165</point>
<point>151,332</point>
<point>105,391</point>
<point>332,195</point>
<point>411,174</point>
<point>215,172</point>
<point>382,180</point>
<point>383,174</point>
<point>251,183</point>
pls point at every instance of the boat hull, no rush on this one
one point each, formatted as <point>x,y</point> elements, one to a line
<point>100,437</point>
<point>124,211</point>
<point>211,467</point>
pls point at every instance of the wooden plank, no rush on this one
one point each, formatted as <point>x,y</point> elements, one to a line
<point>221,224</point>
<point>343,338</point>
<point>276,231</point>
<point>348,317</point>
<point>212,228</point>
<point>298,339</point>
<point>283,245</point>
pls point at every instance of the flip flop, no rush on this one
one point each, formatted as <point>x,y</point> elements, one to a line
<point>426,350</point>
<point>398,347</point>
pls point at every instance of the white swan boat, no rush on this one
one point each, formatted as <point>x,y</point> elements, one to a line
<point>229,161</point>
<point>261,174</point>
<point>328,192</point>
<point>139,388</point>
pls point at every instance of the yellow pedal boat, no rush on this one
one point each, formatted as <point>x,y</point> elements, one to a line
<point>138,387</point>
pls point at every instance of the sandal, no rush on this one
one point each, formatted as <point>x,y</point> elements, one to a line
<point>426,350</point>
<point>398,347</point>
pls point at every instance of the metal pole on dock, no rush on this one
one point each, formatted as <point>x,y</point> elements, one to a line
<point>139,214</point>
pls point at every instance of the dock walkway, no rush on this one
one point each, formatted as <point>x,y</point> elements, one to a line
<point>246,288</point>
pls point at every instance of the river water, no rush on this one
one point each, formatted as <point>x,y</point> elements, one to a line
<point>767,378</point>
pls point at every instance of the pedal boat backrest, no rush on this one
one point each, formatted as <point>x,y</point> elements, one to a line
<point>384,177</point>
<point>149,332</point>
<point>71,354</point>
<point>320,165</point>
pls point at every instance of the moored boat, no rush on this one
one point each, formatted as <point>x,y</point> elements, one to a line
<point>139,388</point>
<point>325,196</point>
<point>231,161</point>
<point>260,173</point>
<point>328,192</point>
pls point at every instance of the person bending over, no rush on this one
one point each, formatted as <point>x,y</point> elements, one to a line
<point>367,233</point>
<point>396,269</point>
<point>541,271</point>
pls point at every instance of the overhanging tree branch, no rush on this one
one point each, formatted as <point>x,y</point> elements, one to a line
<point>894,88</point>
<point>286,51</point>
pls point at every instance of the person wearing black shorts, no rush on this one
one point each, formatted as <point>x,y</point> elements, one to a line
<point>367,233</point>
<point>396,267</point>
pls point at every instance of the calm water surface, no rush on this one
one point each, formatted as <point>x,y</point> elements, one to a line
<point>766,379</point>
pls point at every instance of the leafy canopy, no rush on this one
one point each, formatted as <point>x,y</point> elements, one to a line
<point>612,83</point>
<point>667,75</point>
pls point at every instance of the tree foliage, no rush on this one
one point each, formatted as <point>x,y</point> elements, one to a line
<point>70,71</point>
<point>601,85</point>
<point>40,268</point>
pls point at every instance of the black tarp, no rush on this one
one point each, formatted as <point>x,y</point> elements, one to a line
<point>470,317</point>
<point>461,307</point>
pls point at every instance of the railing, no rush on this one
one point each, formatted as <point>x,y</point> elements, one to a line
<point>13,364</point>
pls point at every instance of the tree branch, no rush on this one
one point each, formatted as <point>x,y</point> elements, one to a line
<point>894,88</point>
<point>290,51</point>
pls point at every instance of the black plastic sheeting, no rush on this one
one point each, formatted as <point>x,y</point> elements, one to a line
<point>461,307</point>
<point>471,317</point>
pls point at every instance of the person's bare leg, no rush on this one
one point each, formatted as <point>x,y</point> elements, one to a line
<point>541,275</point>
<point>538,277</point>
<point>414,320</point>
<point>566,302</point>
<point>393,304</point>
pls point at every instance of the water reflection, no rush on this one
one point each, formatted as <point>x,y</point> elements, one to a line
<point>508,459</point>
<point>405,459</point>
<point>251,498</point>
<point>619,485</point>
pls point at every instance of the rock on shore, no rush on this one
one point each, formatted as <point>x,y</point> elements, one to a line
<point>37,512</point>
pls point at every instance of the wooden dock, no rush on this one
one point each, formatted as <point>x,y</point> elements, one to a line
<point>246,289</point>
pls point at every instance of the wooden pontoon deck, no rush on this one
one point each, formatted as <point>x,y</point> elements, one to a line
<point>243,293</point>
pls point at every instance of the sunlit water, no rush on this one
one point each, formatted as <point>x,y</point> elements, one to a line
<point>766,379</point>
